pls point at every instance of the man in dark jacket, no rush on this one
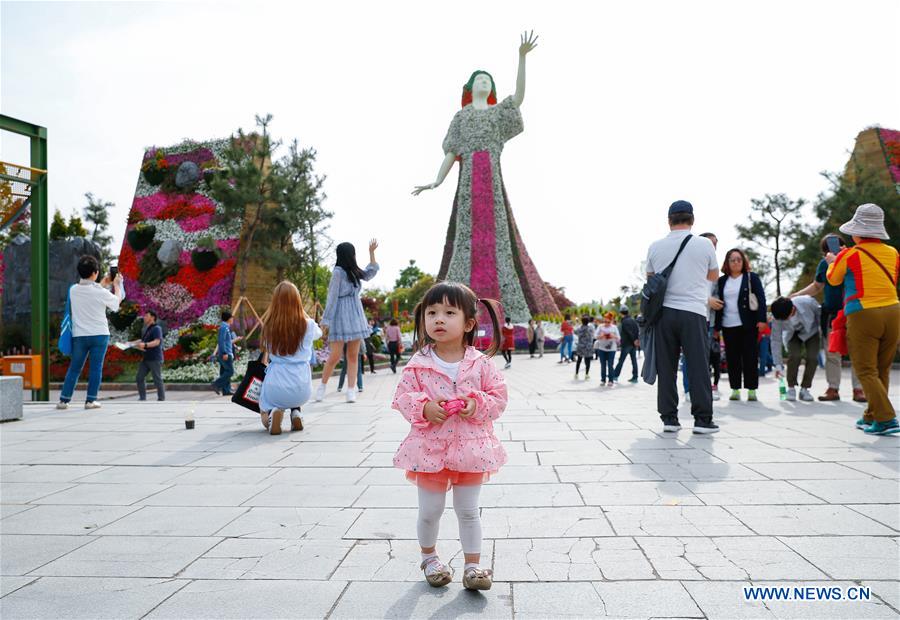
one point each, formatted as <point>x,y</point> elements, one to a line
<point>151,345</point>
<point>631,339</point>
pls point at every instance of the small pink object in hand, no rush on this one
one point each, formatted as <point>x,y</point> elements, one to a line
<point>452,407</point>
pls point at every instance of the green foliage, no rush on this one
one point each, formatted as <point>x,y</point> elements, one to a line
<point>835,206</point>
<point>96,214</point>
<point>773,230</point>
<point>125,316</point>
<point>58,230</point>
<point>75,228</point>
<point>409,276</point>
<point>408,297</point>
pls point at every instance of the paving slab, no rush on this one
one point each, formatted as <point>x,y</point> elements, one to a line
<point>597,514</point>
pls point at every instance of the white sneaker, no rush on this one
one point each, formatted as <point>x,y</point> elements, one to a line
<point>351,395</point>
<point>62,405</point>
<point>715,394</point>
<point>805,395</point>
<point>92,404</point>
<point>320,392</point>
<point>791,394</point>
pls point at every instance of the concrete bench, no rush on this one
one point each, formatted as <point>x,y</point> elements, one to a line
<point>11,398</point>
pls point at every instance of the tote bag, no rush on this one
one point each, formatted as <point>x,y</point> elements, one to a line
<point>65,331</point>
<point>247,394</point>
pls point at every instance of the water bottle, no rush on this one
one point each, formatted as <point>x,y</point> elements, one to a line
<point>782,388</point>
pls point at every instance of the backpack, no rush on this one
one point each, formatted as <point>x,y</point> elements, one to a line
<point>654,292</point>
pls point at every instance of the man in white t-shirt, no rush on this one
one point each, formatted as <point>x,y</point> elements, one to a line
<point>682,326</point>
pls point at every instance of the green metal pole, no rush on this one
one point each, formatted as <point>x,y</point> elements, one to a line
<point>40,265</point>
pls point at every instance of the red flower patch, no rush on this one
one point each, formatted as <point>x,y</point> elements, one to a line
<point>199,282</point>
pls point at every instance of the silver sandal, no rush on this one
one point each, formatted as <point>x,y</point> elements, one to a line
<point>478,579</point>
<point>440,577</point>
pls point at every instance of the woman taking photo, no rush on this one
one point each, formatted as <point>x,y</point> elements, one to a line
<point>740,320</point>
<point>88,302</point>
<point>344,319</point>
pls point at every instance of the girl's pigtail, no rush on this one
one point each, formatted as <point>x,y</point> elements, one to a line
<point>492,309</point>
<point>419,333</point>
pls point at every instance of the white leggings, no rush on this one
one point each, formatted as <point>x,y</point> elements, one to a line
<point>465,503</point>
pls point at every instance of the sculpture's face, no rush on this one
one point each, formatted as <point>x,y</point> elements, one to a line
<point>481,85</point>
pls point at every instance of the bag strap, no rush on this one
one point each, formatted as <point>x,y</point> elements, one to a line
<point>668,269</point>
<point>877,262</point>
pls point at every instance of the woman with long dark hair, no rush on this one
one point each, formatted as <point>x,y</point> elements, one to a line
<point>741,319</point>
<point>344,319</point>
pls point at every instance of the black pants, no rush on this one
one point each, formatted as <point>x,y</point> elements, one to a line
<point>677,331</point>
<point>532,346</point>
<point>632,352</point>
<point>394,351</point>
<point>742,356</point>
<point>587,364</point>
<point>507,355</point>
<point>370,353</point>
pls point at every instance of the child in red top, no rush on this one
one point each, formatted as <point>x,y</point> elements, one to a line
<point>509,342</point>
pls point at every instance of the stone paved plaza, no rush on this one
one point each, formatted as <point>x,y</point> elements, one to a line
<point>122,513</point>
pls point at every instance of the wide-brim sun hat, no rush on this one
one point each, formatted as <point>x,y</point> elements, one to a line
<point>868,221</point>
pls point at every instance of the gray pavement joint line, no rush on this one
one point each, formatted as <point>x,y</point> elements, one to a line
<point>89,541</point>
<point>693,600</point>
<point>802,490</point>
<point>337,600</point>
<point>24,585</point>
<point>751,468</point>
<point>72,486</point>
<point>851,507</point>
<point>241,505</point>
<point>349,549</point>
<point>248,509</point>
<point>883,600</point>
<point>726,509</point>
<point>647,557</point>
<point>784,542</point>
<point>600,598</point>
<point>186,583</point>
<point>200,555</point>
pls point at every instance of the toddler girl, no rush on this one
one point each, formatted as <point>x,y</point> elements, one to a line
<point>451,393</point>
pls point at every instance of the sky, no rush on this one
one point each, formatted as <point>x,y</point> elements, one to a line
<point>629,106</point>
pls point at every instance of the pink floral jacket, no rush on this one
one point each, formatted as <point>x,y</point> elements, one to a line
<point>459,444</point>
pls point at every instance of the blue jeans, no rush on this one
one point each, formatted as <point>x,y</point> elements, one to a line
<point>765,356</point>
<point>606,364</point>
<point>226,370</point>
<point>84,347</point>
<point>565,347</point>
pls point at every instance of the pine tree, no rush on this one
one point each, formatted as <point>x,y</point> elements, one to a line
<point>58,229</point>
<point>774,227</point>
<point>96,214</point>
<point>75,228</point>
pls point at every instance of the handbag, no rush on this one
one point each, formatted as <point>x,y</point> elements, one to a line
<point>752,300</point>
<point>837,337</point>
<point>247,393</point>
<point>65,330</point>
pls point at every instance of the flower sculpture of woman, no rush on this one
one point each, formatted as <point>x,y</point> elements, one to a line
<point>483,247</point>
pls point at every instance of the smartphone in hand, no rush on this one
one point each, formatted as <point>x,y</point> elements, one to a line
<point>834,245</point>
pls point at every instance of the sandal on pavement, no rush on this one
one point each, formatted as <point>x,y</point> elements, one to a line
<point>440,575</point>
<point>264,418</point>
<point>478,579</point>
